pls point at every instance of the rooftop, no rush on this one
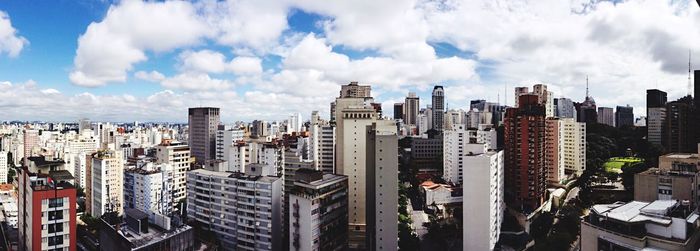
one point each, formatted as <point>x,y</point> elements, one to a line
<point>237,175</point>
<point>155,234</point>
<point>659,211</point>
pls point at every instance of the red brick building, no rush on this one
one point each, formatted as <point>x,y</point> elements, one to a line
<point>46,206</point>
<point>525,170</point>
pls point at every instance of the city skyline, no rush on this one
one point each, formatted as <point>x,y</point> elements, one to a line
<point>263,60</point>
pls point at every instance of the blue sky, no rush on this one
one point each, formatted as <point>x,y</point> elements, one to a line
<point>149,61</point>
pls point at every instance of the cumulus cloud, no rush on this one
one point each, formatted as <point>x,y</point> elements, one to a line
<point>195,81</point>
<point>109,48</point>
<point>152,76</point>
<point>209,61</point>
<point>474,48</point>
<point>10,42</point>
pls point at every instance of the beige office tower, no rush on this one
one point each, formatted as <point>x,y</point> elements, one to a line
<point>353,115</point>
<point>177,154</point>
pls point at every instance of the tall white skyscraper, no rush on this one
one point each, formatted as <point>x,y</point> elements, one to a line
<point>322,144</point>
<point>107,183</point>
<point>294,124</point>
<point>460,142</point>
<point>483,201</point>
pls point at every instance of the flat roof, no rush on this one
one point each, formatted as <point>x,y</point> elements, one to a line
<point>637,211</point>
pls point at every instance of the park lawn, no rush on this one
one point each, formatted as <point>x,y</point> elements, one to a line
<point>615,164</point>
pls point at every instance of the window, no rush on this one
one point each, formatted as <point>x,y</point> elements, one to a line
<point>55,240</point>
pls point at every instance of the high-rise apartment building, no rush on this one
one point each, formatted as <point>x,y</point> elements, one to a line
<point>572,146</point>
<point>520,91</point>
<point>656,116</point>
<point>46,205</point>
<point>679,131</point>
<point>354,90</point>
<point>438,107</point>
<point>398,111</point>
<point>624,116</point>
<point>3,167</point>
<point>225,137</point>
<point>203,123</point>
<point>107,183</point>
<point>319,211</point>
<point>546,98</point>
<point>484,184</point>
<point>564,108</point>
<point>353,116</point>
<point>243,210</point>
<point>525,175</point>
<point>552,159</point>
<point>31,140</point>
<point>458,143</point>
<point>259,129</point>
<point>294,123</point>
<point>606,115</point>
<point>322,144</point>
<point>84,124</point>
<point>177,155</point>
<point>149,188</point>
<point>382,196</point>
<point>411,109</point>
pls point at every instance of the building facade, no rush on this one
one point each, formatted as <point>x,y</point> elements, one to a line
<point>203,123</point>
<point>244,211</point>
<point>606,116</point>
<point>411,109</point>
<point>107,183</point>
<point>382,186</point>
<point>484,184</point>
<point>525,175</point>
<point>319,208</point>
<point>47,206</point>
<point>624,116</point>
<point>438,107</point>
<point>177,155</point>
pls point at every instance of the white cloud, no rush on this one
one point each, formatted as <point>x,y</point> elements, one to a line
<point>108,49</point>
<point>50,91</point>
<point>10,42</point>
<point>255,24</point>
<point>246,65</point>
<point>195,81</point>
<point>152,76</point>
<point>202,61</point>
<point>208,61</point>
<point>390,73</point>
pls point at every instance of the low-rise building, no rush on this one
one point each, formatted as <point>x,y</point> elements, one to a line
<point>658,225</point>
<point>439,194</point>
<point>134,232</point>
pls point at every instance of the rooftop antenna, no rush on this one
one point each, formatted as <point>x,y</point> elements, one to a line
<point>689,69</point>
<point>586,86</point>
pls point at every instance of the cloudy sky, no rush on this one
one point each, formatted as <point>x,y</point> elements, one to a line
<point>148,61</point>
